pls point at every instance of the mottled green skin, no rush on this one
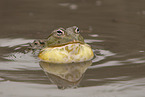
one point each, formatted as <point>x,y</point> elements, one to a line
<point>69,35</point>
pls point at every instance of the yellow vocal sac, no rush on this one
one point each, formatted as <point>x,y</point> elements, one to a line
<point>69,53</point>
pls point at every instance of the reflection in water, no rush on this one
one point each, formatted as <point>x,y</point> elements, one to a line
<point>65,75</point>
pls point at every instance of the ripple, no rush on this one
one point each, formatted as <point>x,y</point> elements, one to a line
<point>70,5</point>
<point>102,55</point>
<point>133,88</point>
<point>93,35</point>
<point>19,60</point>
<point>20,57</point>
<point>107,64</point>
<point>7,42</point>
<point>136,60</point>
<point>92,41</point>
<point>1,79</point>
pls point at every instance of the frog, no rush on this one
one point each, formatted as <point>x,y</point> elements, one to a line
<point>59,37</point>
<point>64,46</point>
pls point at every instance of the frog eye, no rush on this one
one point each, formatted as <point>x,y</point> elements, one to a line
<point>77,30</point>
<point>60,32</point>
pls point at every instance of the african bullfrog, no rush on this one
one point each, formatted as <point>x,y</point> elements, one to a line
<point>64,46</point>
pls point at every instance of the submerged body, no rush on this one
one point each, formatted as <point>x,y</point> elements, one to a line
<point>65,46</point>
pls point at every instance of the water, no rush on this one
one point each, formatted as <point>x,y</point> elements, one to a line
<point>114,27</point>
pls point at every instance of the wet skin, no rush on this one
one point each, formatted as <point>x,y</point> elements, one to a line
<point>64,46</point>
<point>59,37</point>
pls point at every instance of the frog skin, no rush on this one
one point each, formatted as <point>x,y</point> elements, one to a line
<point>59,37</point>
<point>64,46</point>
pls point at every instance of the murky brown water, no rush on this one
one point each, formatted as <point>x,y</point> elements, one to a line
<point>114,27</point>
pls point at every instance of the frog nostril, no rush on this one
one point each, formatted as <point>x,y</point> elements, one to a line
<point>42,43</point>
<point>58,41</point>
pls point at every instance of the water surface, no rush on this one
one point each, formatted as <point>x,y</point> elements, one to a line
<point>115,28</point>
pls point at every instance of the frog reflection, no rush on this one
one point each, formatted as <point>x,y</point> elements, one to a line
<point>65,75</point>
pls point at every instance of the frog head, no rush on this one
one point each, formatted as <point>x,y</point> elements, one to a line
<point>63,36</point>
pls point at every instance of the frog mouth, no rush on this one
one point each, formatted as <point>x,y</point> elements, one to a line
<point>71,42</point>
